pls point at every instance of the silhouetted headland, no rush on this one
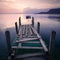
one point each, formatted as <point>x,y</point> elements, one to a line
<point>51,11</point>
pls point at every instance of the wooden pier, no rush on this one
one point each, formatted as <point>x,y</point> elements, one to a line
<point>29,44</point>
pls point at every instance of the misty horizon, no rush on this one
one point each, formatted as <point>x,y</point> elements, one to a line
<point>19,6</point>
<point>25,11</point>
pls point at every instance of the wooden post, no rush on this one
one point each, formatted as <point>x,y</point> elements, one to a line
<point>33,21</point>
<point>19,22</point>
<point>7,33</point>
<point>38,27</point>
<point>51,45</point>
<point>16,27</point>
<point>10,57</point>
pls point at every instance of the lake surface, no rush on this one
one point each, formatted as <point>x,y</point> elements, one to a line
<point>48,23</point>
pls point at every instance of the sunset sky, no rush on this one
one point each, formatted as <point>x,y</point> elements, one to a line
<point>20,5</point>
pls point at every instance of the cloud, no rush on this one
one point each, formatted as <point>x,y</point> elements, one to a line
<point>43,1</point>
<point>7,0</point>
<point>49,1</point>
<point>46,1</point>
<point>21,4</point>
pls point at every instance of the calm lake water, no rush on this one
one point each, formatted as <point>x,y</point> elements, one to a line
<point>48,23</point>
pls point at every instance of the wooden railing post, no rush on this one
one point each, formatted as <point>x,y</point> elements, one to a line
<point>10,57</point>
<point>7,33</point>
<point>16,27</point>
<point>38,27</point>
<point>19,22</point>
<point>33,21</point>
<point>51,45</point>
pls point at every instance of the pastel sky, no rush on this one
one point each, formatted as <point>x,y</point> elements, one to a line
<point>19,5</point>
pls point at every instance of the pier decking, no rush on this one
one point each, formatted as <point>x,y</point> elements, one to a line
<point>28,44</point>
<point>28,35</point>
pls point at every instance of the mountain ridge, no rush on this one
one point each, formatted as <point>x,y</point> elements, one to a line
<point>51,11</point>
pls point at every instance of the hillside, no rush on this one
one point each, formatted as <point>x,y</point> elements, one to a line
<point>51,11</point>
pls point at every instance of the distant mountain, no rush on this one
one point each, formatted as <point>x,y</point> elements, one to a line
<point>33,10</point>
<point>51,11</point>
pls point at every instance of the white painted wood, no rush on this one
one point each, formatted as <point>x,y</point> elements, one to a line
<point>42,42</point>
<point>26,39</point>
<point>22,47</point>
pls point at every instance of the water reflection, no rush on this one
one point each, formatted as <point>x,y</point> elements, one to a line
<point>54,17</point>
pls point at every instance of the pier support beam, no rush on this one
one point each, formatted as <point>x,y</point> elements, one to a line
<point>51,45</point>
<point>19,22</point>
<point>16,27</point>
<point>38,27</point>
<point>33,21</point>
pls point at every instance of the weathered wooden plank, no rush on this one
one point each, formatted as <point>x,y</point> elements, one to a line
<point>26,39</point>
<point>31,36</point>
<point>20,32</point>
<point>42,42</point>
<point>23,47</point>
<point>26,30</point>
<point>19,45</point>
<point>13,53</point>
<point>35,32</point>
<point>23,30</point>
<point>14,47</point>
<point>30,30</point>
<point>31,33</point>
<point>31,42</point>
<point>29,55</point>
<point>9,57</point>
